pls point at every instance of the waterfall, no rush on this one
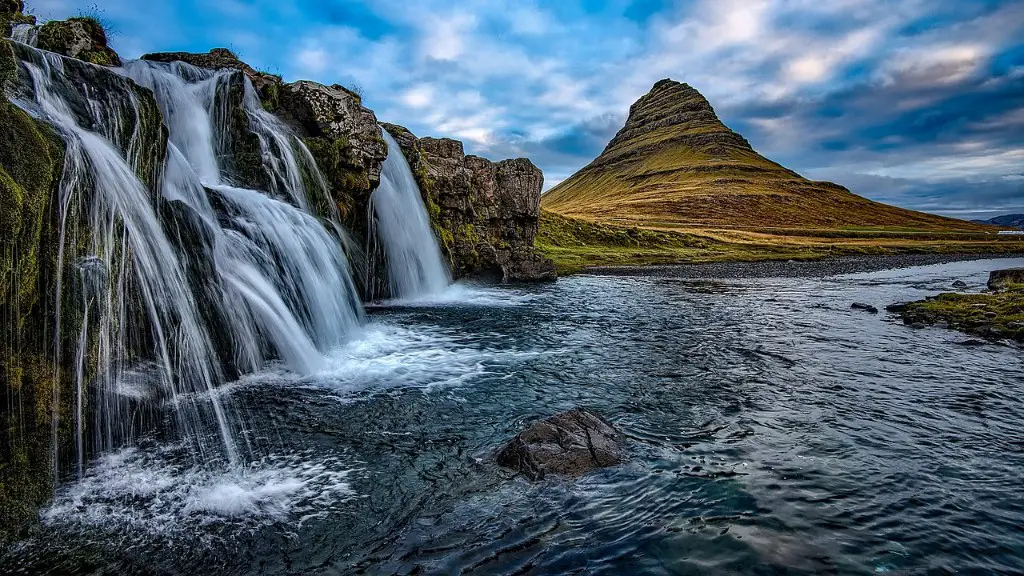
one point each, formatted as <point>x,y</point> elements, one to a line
<point>179,286</point>
<point>416,266</point>
<point>284,274</point>
<point>25,33</point>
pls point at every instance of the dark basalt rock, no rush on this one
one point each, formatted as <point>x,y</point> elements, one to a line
<point>570,444</point>
<point>865,307</point>
<point>999,279</point>
<point>959,284</point>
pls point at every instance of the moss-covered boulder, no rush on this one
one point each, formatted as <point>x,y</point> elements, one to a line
<point>82,38</point>
<point>1002,279</point>
<point>345,140</point>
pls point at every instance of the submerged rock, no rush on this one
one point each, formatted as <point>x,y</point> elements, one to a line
<point>959,284</point>
<point>1000,279</point>
<point>571,444</point>
<point>865,307</point>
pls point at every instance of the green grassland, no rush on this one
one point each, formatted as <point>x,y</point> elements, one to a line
<point>575,244</point>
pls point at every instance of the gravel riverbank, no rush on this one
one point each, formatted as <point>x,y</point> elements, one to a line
<point>790,268</point>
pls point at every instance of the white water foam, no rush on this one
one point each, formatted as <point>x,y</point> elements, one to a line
<point>385,357</point>
<point>463,295</point>
<point>151,492</point>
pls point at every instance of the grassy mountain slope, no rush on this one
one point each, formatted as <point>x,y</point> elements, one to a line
<point>675,163</point>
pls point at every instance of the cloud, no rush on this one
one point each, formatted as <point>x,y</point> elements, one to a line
<point>910,101</point>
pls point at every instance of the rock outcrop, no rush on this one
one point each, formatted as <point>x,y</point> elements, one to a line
<point>569,444</point>
<point>345,140</point>
<point>485,213</point>
<point>81,38</point>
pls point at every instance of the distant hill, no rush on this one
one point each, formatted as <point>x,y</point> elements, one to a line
<point>1007,221</point>
<point>675,163</point>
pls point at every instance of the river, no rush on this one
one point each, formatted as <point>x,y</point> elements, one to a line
<point>770,428</point>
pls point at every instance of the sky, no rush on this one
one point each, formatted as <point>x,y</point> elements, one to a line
<point>918,103</point>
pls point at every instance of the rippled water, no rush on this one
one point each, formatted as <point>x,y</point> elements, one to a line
<point>770,429</point>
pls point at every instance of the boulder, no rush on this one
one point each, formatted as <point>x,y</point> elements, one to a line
<point>1001,279</point>
<point>81,38</point>
<point>570,444</point>
<point>959,284</point>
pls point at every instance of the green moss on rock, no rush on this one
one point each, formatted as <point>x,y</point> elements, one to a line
<point>997,315</point>
<point>11,14</point>
<point>82,38</point>
<point>30,167</point>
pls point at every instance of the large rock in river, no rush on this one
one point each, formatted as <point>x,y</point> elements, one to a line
<point>999,279</point>
<point>571,444</point>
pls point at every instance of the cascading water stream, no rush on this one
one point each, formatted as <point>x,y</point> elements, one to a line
<point>416,266</point>
<point>25,33</point>
<point>201,276</point>
<point>284,276</point>
<point>132,285</point>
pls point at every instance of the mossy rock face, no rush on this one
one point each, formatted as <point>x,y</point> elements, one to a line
<point>11,15</point>
<point>31,160</point>
<point>485,214</point>
<point>8,65</point>
<point>80,38</point>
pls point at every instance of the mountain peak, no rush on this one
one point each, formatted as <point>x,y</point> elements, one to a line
<point>675,113</point>
<point>675,162</point>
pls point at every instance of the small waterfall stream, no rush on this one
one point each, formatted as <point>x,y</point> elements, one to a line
<point>416,266</point>
<point>183,286</point>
